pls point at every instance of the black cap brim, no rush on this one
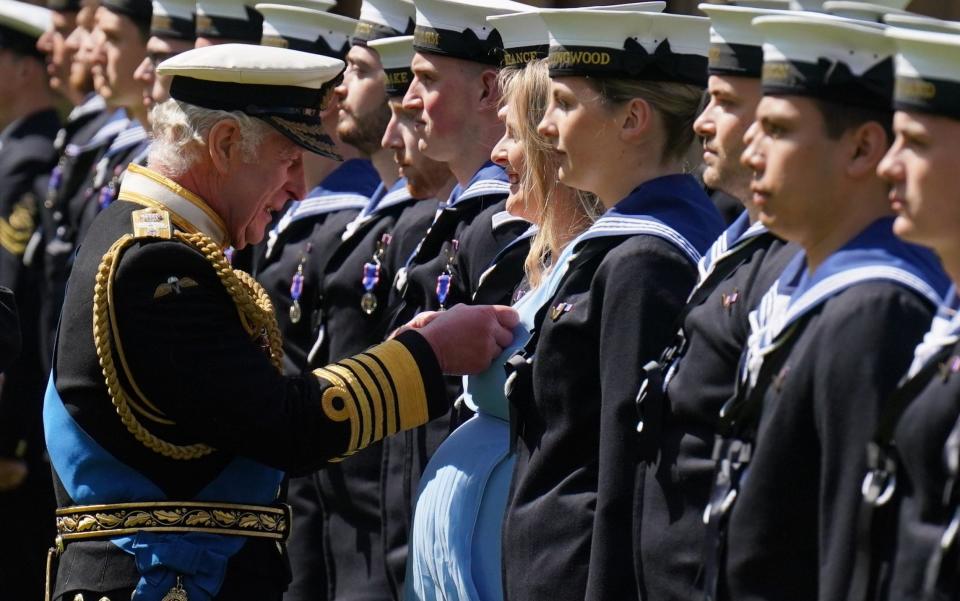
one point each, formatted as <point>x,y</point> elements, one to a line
<point>308,135</point>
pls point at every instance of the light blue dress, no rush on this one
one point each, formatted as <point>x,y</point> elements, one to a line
<point>454,552</point>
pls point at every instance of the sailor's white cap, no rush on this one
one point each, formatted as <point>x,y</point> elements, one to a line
<point>228,20</point>
<point>524,35</point>
<point>385,19</point>
<point>306,29</point>
<point>635,45</point>
<point>286,88</point>
<point>174,19</point>
<point>914,21</point>
<point>321,5</point>
<point>396,54</point>
<point>927,72</point>
<point>831,58</point>
<point>865,11</point>
<point>736,47</point>
<point>459,28</point>
<point>21,25</point>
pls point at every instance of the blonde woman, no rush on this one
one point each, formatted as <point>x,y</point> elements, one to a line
<point>625,89</point>
<point>455,544</point>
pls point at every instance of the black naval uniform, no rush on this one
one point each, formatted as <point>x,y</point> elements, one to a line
<point>795,434</point>
<point>466,235</point>
<point>9,328</point>
<point>907,551</point>
<point>307,235</point>
<point>354,311</point>
<point>302,240</point>
<point>26,154</point>
<point>85,138</point>
<point>567,531</point>
<point>675,472</point>
<point>195,368</point>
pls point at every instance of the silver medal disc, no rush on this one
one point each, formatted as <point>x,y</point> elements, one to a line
<point>368,302</point>
<point>295,313</point>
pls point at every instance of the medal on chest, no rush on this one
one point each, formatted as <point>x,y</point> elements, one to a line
<point>296,287</point>
<point>56,179</point>
<point>108,191</point>
<point>446,276</point>
<point>371,276</point>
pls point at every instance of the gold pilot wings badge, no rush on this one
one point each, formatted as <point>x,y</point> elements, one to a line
<point>175,285</point>
<point>151,223</point>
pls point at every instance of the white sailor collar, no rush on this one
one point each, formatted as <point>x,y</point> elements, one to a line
<point>187,210</point>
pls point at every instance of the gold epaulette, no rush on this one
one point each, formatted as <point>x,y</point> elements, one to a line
<point>253,307</point>
<point>380,392</point>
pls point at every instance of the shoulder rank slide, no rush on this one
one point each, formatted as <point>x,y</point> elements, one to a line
<point>151,223</point>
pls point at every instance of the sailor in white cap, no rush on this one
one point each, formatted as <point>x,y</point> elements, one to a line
<point>782,518</point>
<point>454,97</point>
<point>227,21</point>
<point>120,38</point>
<point>63,19</point>
<point>177,454</point>
<point>28,126</point>
<point>626,87</point>
<point>424,177</point>
<point>697,372</point>
<point>172,31</point>
<point>301,240</point>
<point>910,488</point>
<point>351,311</point>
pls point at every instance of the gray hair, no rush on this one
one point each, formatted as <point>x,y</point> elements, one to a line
<point>180,133</point>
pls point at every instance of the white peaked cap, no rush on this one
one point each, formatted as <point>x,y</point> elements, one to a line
<point>928,71</point>
<point>306,29</point>
<point>865,11</point>
<point>28,19</point>
<point>913,21</point>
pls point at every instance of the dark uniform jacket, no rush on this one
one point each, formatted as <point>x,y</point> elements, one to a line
<point>825,351</point>
<point>303,239</point>
<point>700,369</point>
<point>9,328</point>
<point>467,233</point>
<point>354,313</point>
<point>194,406</point>
<point>26,153</point>
<point>906,517</point>
<point>298,246</point>
<point>567,530</point>
<point>85,138</point>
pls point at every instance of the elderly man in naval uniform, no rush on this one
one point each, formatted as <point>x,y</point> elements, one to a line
<point>168,422</point>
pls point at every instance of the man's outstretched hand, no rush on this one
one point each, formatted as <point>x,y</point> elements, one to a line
<point>466,338</point>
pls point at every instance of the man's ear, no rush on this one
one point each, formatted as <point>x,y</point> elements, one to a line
<point>223,143</point>
<point>868,145</point>
<point>489,90</point>
<point>636,119</point>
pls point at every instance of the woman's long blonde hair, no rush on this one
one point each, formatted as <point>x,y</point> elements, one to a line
<point>564,212</point>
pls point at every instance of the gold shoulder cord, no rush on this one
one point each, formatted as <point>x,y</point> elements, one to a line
<point>253,306</point>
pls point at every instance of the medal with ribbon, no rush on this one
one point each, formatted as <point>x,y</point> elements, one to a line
<point>296,287</point>
<point>371,276</point>
<point>445,277</point>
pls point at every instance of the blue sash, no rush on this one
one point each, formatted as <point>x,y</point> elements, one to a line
<point>91,476</point>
